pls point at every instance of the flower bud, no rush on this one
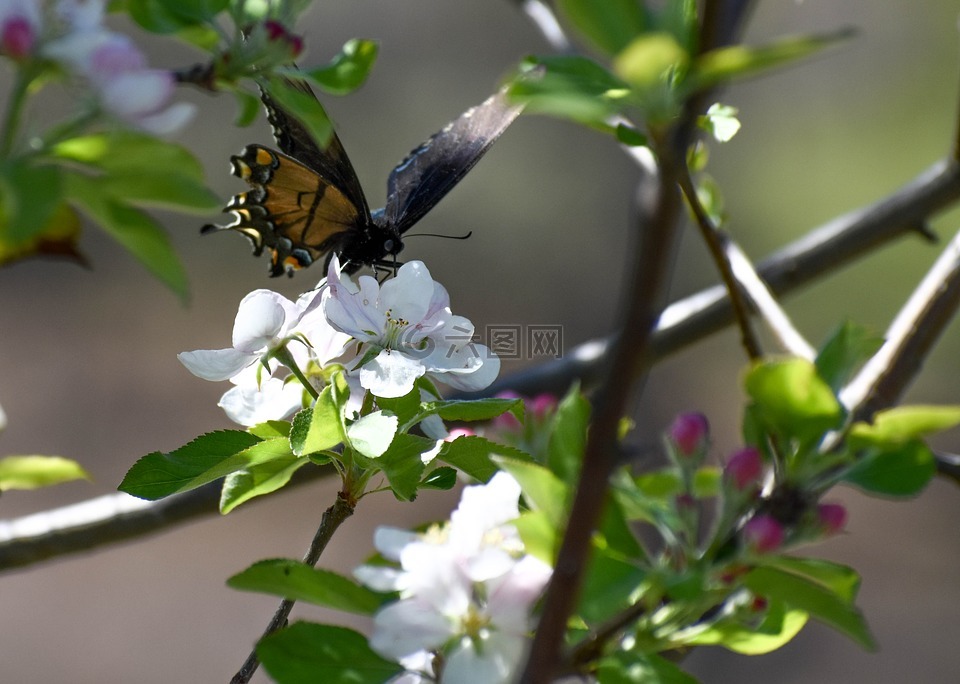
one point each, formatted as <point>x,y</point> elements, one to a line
<point>832,517</point>
<point>542,404</point>
<point>688,433</point>
<point>17,37</point>
<point>744,469</point>
<point>278,32</point>
<point>459,432</point>
<point>763,533</point>
<point>506,421</point>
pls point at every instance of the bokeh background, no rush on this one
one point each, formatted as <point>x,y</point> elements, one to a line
<point>88,363</point>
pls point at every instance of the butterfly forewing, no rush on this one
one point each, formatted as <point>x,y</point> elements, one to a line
<point>331,161</point>
<point>431,170</point>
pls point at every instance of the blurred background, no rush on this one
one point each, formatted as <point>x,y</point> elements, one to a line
<point>88,364</point>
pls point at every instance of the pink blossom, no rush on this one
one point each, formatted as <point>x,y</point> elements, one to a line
<point>688,433</point>
<point>744,469</point>
<point>19,27</point>
<point>832,517</point>
<point>763,533</point>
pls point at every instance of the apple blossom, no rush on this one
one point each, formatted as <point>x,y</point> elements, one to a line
<point>19,27</point>
<point>407,330</point>
<point>762,533</point>
<point>466,589</point>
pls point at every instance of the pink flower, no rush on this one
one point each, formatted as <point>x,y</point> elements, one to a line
<point>763,533</point>
<point>459,432</point>
<point>542,404</point>
<point>19,27</point>
<point>688,433</point>
<point>744,469</point>
<point>832,517</point>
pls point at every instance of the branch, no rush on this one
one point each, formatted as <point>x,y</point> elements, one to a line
<point>909,339</point>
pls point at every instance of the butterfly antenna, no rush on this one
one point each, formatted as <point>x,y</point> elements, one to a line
<point>438,235</point>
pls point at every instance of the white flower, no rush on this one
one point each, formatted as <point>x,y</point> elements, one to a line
<point>408,324</point>
<point>3,419</point>
<point>255,400</point>
<point>265,322</point>
<point>466,588</point>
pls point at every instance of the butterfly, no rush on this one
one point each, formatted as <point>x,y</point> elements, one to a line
<point>306,202</point>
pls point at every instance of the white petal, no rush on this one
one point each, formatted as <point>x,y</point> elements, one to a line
<point>512,595</point>
<point>470,369</point>
<point>3,419</point>
<point>260,318</point>
<point>168,121</point>
<point>409,293</point>
<point>274,400</point>
<point>500,658</point>
<point>390,541</point>
<point>407,626</point>
<point>391,374</point>
<point>378,577</point>
<point>215,364</point>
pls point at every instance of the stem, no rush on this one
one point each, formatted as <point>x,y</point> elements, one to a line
<point>333,517</point>
<point>11,117</point>
<point>716,241</point>
<point>284,356</point>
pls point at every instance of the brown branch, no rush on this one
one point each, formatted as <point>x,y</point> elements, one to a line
<point>333,517</point>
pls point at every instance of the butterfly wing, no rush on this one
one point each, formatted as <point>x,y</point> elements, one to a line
<point>431,170</point>
<point>291,210</point>
<point>330,162</point>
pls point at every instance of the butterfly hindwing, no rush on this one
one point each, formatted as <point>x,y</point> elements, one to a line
<point>291,210</point>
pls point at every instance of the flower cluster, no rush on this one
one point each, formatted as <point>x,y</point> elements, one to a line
<point>385,336</point>
<point>466,591</point>
<point>72,35</point>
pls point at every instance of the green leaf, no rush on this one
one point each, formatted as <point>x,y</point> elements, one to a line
<point>405,408</point>
<point>707,481</point>
<point>609,25</point>
<point>156,16</point>
<point>348,70</point>
<point>33,472</point>
<point>574,88</point>
<point>310,653</point>
<point>898,471</point>
<point>318,428</point>
<point>472,455</point>
<point>844,351</point>
<point>541,538</point>
<point>792,398</point>
<point>627,667</point>
<point>568,436</point>
<point>207,458</point>
<point>737,61</point>
<point>304,106</point>
<point>609,587</point>
<point>820,602</point>
<point>257,480</point>
<point>138,233</point>
<point>778,627</point>
<point>29,197</point>
<point>628,135</point>
<point>271,428</point>
<point>542,490</point>
<point>839,579</point>
<point>372,434</point>
<point>248,107</point>
<point>58,238</point>
<point>471,409</point>
<point>298,581</point>
<point>650,61</point>
<point>903,424</point>
<point>402,465</point>
<point>120,153</point>
<point>442,478</point>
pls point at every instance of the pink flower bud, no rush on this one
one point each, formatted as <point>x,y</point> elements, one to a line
<point>688,433</point>
<point>506,421</point>
<point>744,469</point>
<point>763,533</point>
<point>542,404</point>
<point>17,37</point>
<point>459,432</point>
<point>278,32</point>
<point>832,517</point>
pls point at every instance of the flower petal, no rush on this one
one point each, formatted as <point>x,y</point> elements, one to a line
<point>216,364</point>
<point>407,626</point>
<point>391,374</point>
<point>261,317</point>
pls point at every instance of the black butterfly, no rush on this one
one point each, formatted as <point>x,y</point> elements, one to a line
<point>307,203</point>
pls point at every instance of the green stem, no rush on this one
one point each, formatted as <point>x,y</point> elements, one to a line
<point>284,356</point>
<point>11,117</point>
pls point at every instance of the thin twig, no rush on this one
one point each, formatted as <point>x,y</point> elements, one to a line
<point>333,517</point>
<point>911,336</point>
<point>716,242</point>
